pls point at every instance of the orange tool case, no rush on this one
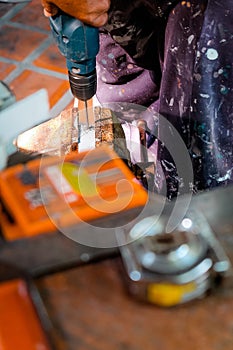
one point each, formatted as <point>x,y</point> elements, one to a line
<point>20,325</point>
<point>93,185</point>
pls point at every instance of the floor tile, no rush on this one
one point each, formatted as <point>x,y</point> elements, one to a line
<point>32,14</point>
<point>52,59</point>
<point>29,82</point>
<point>23,35</point>
<point>18,43</point>
<point>4,8</point>
<point>5,69</point>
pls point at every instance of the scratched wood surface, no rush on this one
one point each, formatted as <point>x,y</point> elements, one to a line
<point>91,310</point>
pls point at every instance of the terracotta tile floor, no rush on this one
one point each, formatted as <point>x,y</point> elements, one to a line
<point>29,58</point>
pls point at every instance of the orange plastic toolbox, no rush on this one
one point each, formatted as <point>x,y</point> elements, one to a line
<point>93,185</point>
<point>20,325</point>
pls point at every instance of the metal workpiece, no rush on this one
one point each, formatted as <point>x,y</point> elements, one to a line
<point>170,268</point>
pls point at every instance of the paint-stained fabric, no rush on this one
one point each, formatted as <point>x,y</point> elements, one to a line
<point>175,57</point>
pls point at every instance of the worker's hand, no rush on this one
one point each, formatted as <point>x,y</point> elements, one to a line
<point>92,12</point>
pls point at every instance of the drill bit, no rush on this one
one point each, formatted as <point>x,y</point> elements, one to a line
<point>75,128</point>
<point>86,111</point>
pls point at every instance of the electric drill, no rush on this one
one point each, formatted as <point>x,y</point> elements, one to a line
<point>79,43</point>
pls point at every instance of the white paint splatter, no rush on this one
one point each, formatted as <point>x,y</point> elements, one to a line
<point>190,39</point>
<point>171,102</point>
<point>174,49</point>
<point>227,176</point>
<point>212,54</point>
<point>205,95</point>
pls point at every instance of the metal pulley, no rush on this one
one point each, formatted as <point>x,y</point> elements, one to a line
<point>171,268</point>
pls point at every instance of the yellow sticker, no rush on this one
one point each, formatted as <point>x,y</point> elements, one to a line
<point>79,180</point>
<point>166,294</point>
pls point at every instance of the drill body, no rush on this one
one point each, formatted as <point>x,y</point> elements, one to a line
<point>79,43</point>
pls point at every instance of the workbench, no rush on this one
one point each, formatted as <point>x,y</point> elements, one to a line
<point>90,308</point>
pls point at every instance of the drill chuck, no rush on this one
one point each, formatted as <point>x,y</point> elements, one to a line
<point>83,87</point>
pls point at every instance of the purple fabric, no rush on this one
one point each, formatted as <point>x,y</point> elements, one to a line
<point>120,79</point>
<point>212,98</point>
<point>175,57</point>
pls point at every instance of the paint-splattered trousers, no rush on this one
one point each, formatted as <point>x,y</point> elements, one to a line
<point>176,57</point>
